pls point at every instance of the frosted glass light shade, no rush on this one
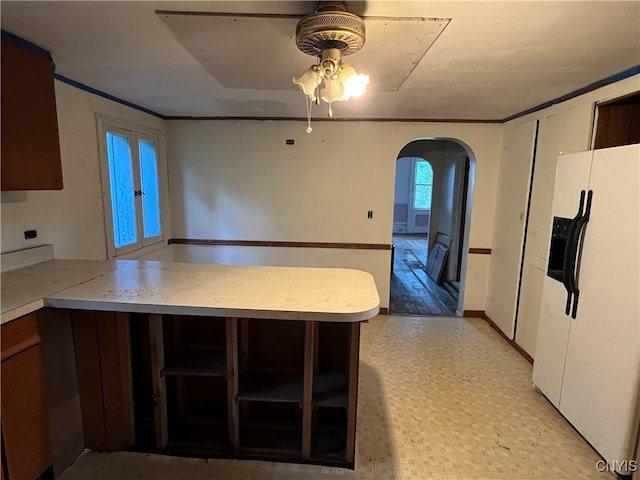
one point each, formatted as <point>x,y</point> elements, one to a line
<point>309,82</point>
<point>354,83</point>
<point>333,91</point>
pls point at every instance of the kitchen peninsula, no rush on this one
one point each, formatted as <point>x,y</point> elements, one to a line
<point>207,360</point>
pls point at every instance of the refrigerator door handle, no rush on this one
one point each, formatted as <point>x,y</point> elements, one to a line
<point>581,227</point>
<point>570,253</point>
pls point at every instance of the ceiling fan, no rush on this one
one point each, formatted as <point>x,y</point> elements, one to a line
<point>329,34</point>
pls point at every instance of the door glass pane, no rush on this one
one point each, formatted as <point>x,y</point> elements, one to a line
<point>122,198</point>
<point>150,187</point>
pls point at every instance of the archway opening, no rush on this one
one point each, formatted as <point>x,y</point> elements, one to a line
<point>433,186</point>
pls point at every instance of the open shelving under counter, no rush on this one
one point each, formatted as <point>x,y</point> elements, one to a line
<point>228,361</point>
<point>197,362</point>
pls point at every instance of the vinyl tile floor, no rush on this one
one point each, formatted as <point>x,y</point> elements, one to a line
<point>439,398</point>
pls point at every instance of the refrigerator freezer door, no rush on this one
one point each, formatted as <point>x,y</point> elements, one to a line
<point>601,382</point>
<point>572,176</point>
<point>551,346</point>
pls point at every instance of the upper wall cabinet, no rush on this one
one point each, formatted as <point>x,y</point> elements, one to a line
<point>618,122</point>
<point>30,142</point>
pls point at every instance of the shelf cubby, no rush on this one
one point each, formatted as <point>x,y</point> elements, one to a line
<point>329,433</point>
<point>331,390</point>
<point>189,359</point>
<point>272,387</point>
<point>197,361</point>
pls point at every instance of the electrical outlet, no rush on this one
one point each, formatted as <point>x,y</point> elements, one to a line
<point>29,234</point>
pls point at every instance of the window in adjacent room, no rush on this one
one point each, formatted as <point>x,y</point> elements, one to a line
<point>423,185</point>
<point>131,177</point>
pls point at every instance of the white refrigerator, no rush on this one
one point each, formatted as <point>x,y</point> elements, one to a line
<point>587,358</point>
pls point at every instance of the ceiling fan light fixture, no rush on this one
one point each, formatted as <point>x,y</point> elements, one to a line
<point>329,34</point>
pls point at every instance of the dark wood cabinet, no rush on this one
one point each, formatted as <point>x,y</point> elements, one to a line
<point>30,142</point>
<point>618,122</point>
<point>25,424</point>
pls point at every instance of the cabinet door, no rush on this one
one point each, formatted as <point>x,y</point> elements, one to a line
<point>25,425</point>
<point>25,428</point>
<point>30,142</point>
<point>511,209</point>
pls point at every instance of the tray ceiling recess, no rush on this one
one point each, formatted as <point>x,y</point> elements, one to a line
<point>258,51</point>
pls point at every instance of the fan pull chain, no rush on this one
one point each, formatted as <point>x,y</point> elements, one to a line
<point>308,105</point>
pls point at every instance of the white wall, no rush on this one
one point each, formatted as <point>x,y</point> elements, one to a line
<point>564,127</point>
<point>404,174</point>
<point>237,180</point>
<point>71,219</point>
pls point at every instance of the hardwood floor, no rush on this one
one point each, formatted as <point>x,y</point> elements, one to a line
<point>412,291</point>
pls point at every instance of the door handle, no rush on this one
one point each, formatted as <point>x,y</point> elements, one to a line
<point>568,266</point>
<point>581,227</point>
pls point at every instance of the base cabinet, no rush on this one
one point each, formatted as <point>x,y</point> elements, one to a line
<point>25,425</point>
<point>210,387</point>
<point>226,387</point>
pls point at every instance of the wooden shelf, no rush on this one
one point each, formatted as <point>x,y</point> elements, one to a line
<point>331,390</point>
<point>202,362</point>
<point>271,387</point>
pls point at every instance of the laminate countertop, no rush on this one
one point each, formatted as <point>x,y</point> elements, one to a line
<point>288,293</point>
<point>23,290</point>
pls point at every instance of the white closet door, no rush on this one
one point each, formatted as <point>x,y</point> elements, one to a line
<point>509,225</point>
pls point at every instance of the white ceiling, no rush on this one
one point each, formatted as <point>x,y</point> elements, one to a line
<point>491,61</point>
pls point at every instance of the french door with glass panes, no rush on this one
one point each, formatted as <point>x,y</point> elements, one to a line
<point>133,191</point>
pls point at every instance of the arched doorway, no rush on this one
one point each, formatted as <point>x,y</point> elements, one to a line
<point>430,226</point>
